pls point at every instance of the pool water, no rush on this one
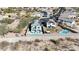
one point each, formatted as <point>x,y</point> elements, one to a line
<point>64,32</point>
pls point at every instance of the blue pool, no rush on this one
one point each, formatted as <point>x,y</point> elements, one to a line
<point>64,32</point>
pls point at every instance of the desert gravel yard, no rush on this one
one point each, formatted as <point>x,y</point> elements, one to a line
<point>67,44</point>
<point>45,42</point>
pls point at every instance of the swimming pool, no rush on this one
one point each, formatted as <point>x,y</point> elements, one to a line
<point>64,32</point>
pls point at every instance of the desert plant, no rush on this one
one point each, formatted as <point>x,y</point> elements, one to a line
<point>4,44</point>
<point>9,10</point>
<point>37,40</point>
<point>3,29</point>
<point>54,41</point>
<point>29,42</point>
<point>46,49</point>
<point>24,22</point>
<point>16,30</point>
<point>7,21</point>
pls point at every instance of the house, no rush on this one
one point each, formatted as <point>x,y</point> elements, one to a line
<point>35,28</point>
<point>44,21</point>
<point>68,22</point>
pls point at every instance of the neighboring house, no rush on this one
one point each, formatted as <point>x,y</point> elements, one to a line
<point>69,22</point>
<point>35,28</point>
<point>14,24</point>
<point>51,24</point>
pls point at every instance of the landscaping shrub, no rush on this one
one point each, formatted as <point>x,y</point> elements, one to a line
<point>29,42</point>
<point>37,40</point>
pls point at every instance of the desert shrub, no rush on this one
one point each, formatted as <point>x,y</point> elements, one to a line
<point>23,23</point>
<point>35,44</point>
<point>61,39</point>
<point>70,39</point>
<point>16,30</point>
<point>3,29</point>
<point>54,41</point>
<point>46,49</point>
<point>72,50</point>
<point>37,40</point>
<point>9,10</point>
<point>20,41</point>
<point>7,21</point>
<point>14,46</point>
<point>4,44</point>
<point>29,42</point>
